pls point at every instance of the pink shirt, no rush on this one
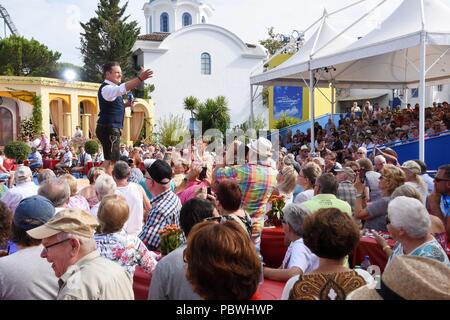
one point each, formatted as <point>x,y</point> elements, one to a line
<point>79,202</point>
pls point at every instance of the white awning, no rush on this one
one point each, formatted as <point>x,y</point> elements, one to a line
<point>358,98</point>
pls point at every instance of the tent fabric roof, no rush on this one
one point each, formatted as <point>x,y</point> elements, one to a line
<point>381,55</point>
<point>299,62</point>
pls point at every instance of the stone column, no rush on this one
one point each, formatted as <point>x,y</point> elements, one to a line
<point>126,130</point>
<point>86,125</point>
<point>67,124</point>
<point>148,128</point>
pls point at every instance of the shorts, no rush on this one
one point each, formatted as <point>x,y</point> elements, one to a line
<point>110,139</point>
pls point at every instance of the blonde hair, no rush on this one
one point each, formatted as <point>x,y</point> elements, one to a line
<point>395,177</point>
<point>311,171</point>
<point>72,183</point>
<point>289,180</point>
<point>112,213</point>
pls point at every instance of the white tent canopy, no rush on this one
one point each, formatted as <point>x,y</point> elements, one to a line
<point>389,56</point>
<point>296,68</point>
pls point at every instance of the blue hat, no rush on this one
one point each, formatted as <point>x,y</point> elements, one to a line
<point>33,212</point>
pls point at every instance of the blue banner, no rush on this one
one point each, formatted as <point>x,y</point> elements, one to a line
<point>288,100</point>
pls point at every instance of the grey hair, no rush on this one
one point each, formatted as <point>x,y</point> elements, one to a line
<point>406,190</point>
<point>410,215</point>
<point>87,244</point>
<point>45,175</point>
<point>294,215</point>
<point>379,158</point>
<point>121,170</point>
<point>105,185</point>
<point>56,190</point>
<point>289,180</point>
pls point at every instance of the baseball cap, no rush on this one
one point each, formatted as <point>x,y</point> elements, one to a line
<point>304,147</point>
<point>160,171</point>
<point>22,174</point>
<point>33,212</point>
<point>75,221</point>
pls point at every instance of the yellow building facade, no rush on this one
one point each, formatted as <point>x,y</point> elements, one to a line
<point>65,105</point>
<point>322,99</point>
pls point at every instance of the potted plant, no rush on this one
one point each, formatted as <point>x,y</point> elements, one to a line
<point>275,214</point>
<point>170,238</point>
<point>17,150</point>
<point>91,147</point>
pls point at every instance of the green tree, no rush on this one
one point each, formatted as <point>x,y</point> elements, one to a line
<point>172,130</point>
<point>214,114</point>
<point>272,44</point>
<point>259,124</point>
<point>286,121</point>
<point>22,57</point>
<point>191,104</point>
<point>108,37</point>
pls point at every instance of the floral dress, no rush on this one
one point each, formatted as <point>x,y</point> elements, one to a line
<point>129,251</point>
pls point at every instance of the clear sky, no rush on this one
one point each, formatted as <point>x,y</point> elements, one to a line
<point>56,22</point>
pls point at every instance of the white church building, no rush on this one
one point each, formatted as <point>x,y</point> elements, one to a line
<point>190,57</point>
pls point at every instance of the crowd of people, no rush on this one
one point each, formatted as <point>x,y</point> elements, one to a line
<point>367,127</point>
<point>61,241</point>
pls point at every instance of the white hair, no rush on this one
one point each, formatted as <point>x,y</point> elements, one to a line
<point>379,158</point>
<point>105,185</point>
<point>410,215</point>
<point>362,149</point>
<point>87,244</point>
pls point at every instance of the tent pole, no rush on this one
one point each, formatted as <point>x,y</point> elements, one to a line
<point>311,108</point>
<point>252,115</point>
<point>422,87</point>
<point>333,102</point>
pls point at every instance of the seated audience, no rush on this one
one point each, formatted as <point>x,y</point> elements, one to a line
<point>307,180</point>
<point>331,235</point>
<point>409,224</point>
<point>89,191</point>
<point>75,200</point>
<point>298,258</point>
<point>104,186</point>
<point>24,188</point>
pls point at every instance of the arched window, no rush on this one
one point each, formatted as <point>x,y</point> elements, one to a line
<point>203,20</point>
<point>206,63</point>
<point>164,22</point>
<point>187,19</point>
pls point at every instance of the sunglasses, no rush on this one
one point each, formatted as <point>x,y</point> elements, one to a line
<point>220,219</point>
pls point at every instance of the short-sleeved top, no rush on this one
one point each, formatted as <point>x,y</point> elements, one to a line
<point>325,201</point>
<point>257,182</point>
<point>127,250</point>
<point>298,255</point>
<point>431,249</point>
<point>304,196</point>
<point>377,212</point>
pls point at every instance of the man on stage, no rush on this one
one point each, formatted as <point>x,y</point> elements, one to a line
<point>112,110</point>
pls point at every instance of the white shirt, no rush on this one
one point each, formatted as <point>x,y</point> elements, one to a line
<point>134,197</point>
<point>19,192</point>
<point>112,91</point>
<point>423,190</point>
<point>298,255</point>
<point>68,159</point>
<point>304,196</point>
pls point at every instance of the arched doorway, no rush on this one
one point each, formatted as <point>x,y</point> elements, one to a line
<point>6,126</point>
<point>58,108</point>
<point>87,107</point>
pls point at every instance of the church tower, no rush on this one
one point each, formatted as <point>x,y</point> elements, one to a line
<point>172,15</point>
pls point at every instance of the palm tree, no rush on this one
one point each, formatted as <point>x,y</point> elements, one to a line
<point>190,104</point>
<point>214,114</point>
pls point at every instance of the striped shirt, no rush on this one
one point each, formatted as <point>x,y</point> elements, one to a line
<point>165,211</point>
<point>257,183</point>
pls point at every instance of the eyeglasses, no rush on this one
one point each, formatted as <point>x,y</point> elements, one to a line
<point>220,219</point>
<point>54,244</point>
<point>437,180</point>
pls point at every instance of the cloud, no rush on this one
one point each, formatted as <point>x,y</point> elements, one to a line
<point>293,112</point>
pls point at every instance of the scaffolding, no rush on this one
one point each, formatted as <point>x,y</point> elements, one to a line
<point>8,23</point>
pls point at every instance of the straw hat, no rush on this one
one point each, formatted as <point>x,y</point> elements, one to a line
<point>262,146</point>
<point>409,278</point>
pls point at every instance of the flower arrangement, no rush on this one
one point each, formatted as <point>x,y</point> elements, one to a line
<point>275,214</point>
<point>170,238</point>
